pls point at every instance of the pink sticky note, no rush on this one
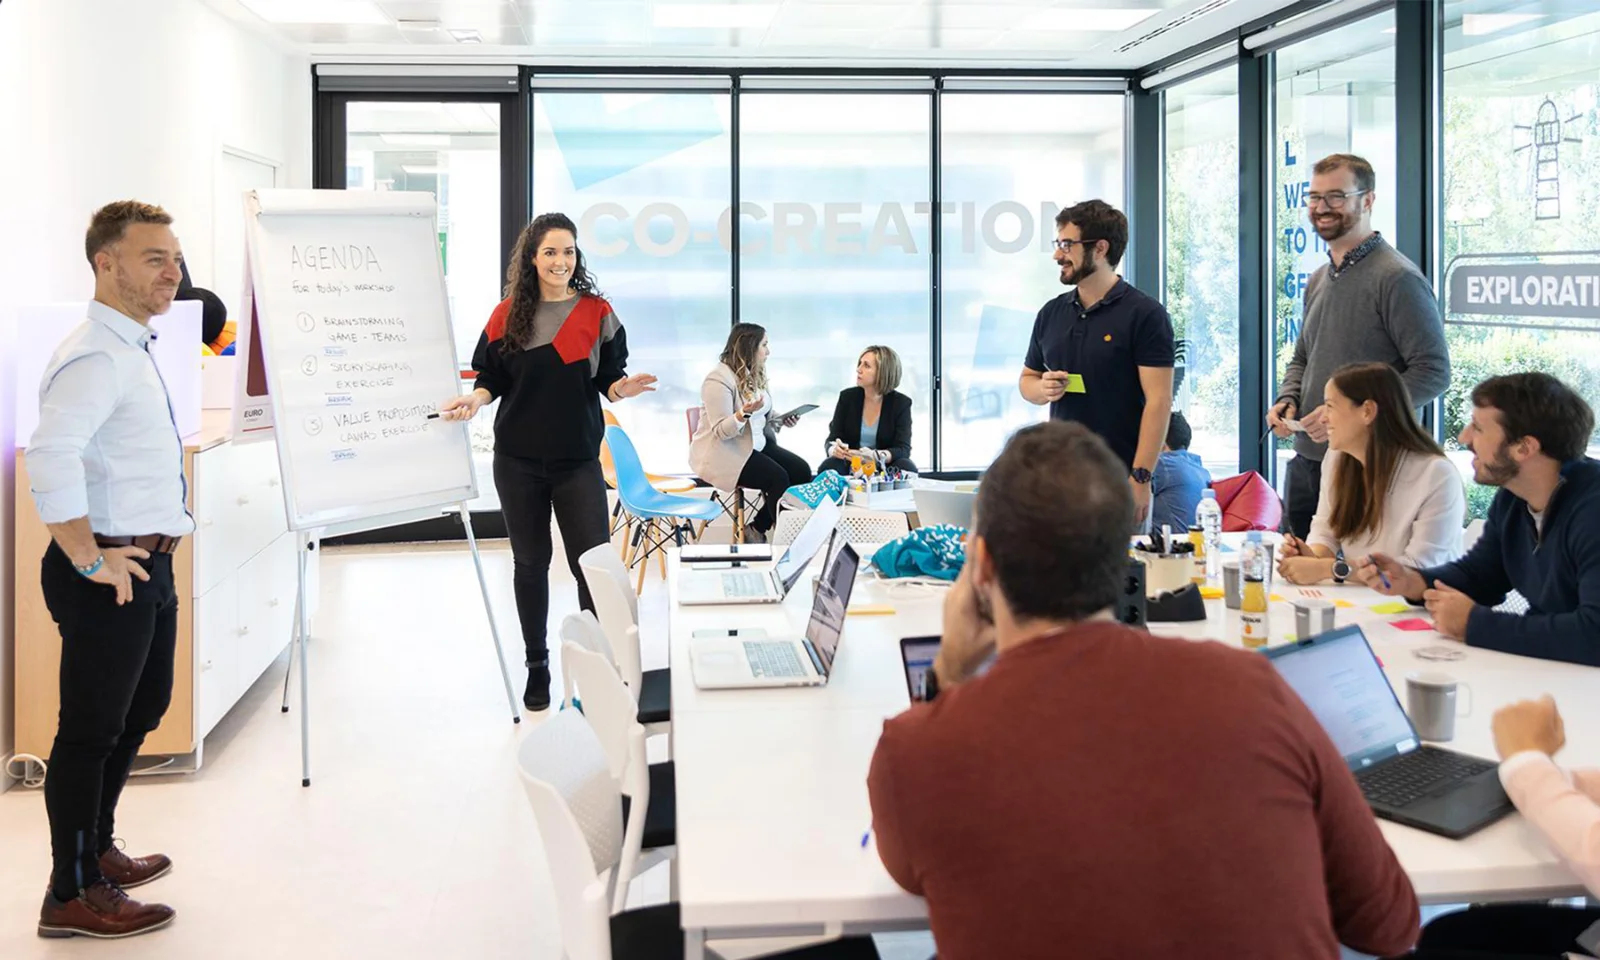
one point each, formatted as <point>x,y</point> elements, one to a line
<point>1415,623</point>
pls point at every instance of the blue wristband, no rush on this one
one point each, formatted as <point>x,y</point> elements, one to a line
<point>93,568</point>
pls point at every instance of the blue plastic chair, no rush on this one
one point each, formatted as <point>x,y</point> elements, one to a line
<point>663,518</point>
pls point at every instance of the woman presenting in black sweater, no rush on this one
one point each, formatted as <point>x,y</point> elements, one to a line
<point>871,415</point>
<point>551,349</point>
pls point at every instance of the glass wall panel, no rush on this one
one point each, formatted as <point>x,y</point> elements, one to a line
<point>1010,162</point>
<point>646,177</point>
<point>835,247</point>
<point>1522,200</point>
<point>1334,94</point>
<point>1202,260</point>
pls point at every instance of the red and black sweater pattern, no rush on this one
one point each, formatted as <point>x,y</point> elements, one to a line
<point>550,393</point>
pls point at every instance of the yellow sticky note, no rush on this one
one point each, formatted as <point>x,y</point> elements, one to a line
<point>1211,593</point>
<point>1390,608</point>
<point>1344,604</point>
<point>869,610</point>
<point>1276,598</point>
<point>1075,383</point>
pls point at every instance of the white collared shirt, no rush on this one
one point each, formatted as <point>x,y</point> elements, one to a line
<point>107,446</point>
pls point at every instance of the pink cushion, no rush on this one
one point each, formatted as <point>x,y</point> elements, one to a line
<point>1248,503</point>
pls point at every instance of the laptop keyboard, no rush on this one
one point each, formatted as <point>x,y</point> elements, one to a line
<point>741,585</point>
<point>1409,777</point>
<point>773,659</point>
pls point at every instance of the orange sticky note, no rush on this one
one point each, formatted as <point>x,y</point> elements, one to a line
<point>1344,604</point>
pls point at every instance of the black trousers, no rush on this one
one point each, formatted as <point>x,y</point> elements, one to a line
<point>116,682</point>
<point>530,490</point>
<point>1303,487</point>
<point>842,467</point>
<point>1505,931</point>
<point>772,471</point>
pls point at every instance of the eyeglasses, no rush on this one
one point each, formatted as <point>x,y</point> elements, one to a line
<point>1067,245</point>
<point>1334,199</point>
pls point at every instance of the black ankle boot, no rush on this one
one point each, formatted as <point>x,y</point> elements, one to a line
<point>536,696</point>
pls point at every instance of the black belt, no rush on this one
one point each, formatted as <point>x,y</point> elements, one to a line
<point>150,542</point>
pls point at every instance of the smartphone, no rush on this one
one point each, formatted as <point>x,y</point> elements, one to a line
<point>725,633</point>
<point>917,654</point>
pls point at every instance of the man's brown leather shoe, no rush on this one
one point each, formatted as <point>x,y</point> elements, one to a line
<point>101,910</point>
<point>128,872</point>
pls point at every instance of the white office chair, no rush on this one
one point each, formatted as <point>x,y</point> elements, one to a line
<point>648,790</point>
<point>1471,535</point>
<point>788,526</point>
<point>584,630</point>
<point>578,807</point>
<point>864,527</point>
<point>617,608</point>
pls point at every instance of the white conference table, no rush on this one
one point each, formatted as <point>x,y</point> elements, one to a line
<point>771,784</point>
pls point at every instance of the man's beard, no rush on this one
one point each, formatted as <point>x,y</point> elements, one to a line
<point>1346,223</point>
<point>1499,471</point>
<point>1071,277</point>
<point>153,301</point>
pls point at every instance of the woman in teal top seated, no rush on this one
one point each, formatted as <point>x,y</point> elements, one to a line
<point>872,415</point>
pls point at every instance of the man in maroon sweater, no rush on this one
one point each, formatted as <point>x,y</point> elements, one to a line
<point>1101,792</point>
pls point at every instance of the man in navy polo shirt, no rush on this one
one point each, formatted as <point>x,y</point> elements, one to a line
<point>1102,353</point>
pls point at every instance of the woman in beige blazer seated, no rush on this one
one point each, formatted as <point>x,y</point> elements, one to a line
<point>1387,487</point>
<point>736,444</point>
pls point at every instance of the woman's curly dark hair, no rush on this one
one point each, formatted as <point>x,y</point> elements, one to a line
<point>522,280</point>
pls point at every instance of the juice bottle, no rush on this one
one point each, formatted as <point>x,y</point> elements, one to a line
<point>1198,538</point>
<point>1254,631</point>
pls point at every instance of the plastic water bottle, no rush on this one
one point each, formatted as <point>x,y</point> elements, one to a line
<point>1208,517</point>
<point>1254,631</point>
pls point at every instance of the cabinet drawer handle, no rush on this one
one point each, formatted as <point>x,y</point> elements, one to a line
<point>244,631</point>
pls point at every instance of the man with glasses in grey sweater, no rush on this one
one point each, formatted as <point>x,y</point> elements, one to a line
<point>1367,304</point>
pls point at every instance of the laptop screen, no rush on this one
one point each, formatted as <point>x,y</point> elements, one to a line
<point>828,609</point>
<point>1338,677</point>
<point>798,557</point>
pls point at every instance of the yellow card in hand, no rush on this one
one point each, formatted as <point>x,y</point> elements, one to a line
<point>1075,383</point>
<point>1391,608</point>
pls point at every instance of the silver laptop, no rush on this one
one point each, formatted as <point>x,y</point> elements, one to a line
<point>953,507</point>
<point>701,587</point>
<point>784,662</point>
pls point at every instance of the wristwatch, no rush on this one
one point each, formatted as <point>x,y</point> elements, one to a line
<point>1141,475</point>
<point>1341,570</point>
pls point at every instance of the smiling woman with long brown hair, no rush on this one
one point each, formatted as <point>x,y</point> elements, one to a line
<point>1387,486</point>
<point>551,349</point>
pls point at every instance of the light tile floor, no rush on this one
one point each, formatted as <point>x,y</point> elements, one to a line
<point>414,839</point>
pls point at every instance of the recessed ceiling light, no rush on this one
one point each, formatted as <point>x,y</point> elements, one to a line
<point>1101,20</point>
<point>415,139</point>
<point>1479,24</point>
<point>713,16</point>
<point>317,11</point>
<point>466,36</point>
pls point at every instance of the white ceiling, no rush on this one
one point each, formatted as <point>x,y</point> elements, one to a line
<point>1059,34</point>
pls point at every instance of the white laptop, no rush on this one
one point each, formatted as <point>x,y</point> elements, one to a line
<point>787,662</point>
<point>944,506</point>
<point>701,587</point>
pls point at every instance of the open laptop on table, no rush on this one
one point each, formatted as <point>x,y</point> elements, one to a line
<point>1440,791</point>
<point>934,507</point>
<point>761,584</point>
<point>785,662</point>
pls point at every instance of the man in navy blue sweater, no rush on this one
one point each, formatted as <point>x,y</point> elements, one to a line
<point>1528,435</point>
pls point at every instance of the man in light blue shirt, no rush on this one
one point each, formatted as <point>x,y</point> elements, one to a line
<point>106,470</point>
<point>1180,480</point>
